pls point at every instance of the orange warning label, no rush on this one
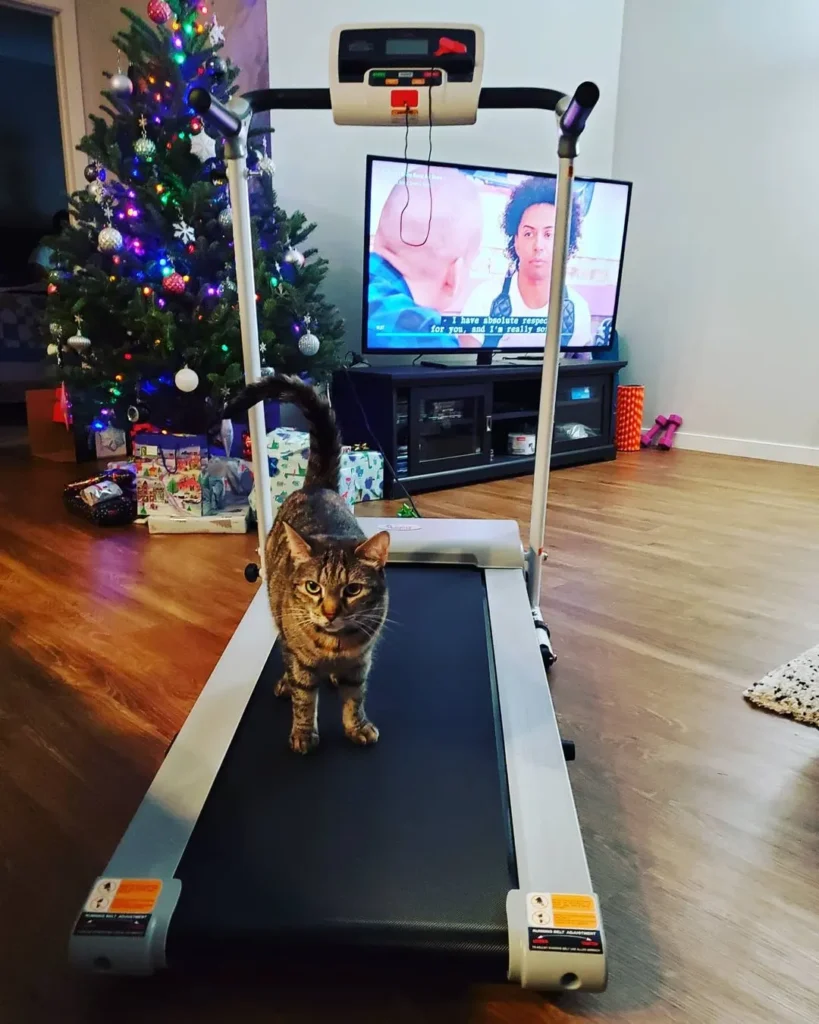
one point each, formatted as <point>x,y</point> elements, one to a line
<point>124,896</point>
<point>567,919</point>
<point>136,896</point>
<point>562,910</point>
<point>570,901</point>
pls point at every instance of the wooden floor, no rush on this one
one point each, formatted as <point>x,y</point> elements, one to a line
<point>674,580</point>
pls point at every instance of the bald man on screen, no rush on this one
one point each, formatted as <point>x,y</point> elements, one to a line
<point>428,236</point>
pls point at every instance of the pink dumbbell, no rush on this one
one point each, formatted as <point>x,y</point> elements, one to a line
<point>667,439</point>
<point>650,436</point>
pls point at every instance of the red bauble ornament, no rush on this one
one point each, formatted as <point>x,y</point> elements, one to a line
<point>174,283</point>
<point>159,11</point>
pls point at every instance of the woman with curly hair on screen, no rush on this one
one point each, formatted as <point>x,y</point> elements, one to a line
<point>528,222</point>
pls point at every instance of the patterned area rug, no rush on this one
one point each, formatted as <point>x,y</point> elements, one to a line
<point>792,689</point>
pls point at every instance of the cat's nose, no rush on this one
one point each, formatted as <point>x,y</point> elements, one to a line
<point>330,609</point>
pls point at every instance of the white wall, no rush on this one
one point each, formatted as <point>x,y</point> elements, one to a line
<point>716,125</point>
<point>320,167</point>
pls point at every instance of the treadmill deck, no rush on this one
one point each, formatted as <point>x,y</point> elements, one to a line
<point>405,845</point>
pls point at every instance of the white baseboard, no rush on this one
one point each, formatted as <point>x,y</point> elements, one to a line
<point>800,454</point>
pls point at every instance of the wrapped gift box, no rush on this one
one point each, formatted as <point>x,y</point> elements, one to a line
<point>361,477</point>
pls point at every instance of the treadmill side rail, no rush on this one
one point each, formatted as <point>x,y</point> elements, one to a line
<point>158,834</point>
<point>124,943</point>
<point>485,543</point>
<point>548,844</point>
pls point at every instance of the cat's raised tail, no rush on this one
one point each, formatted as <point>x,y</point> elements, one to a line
<point>325,441</point>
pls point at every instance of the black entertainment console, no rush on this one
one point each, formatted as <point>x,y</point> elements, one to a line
<point>442,427</point>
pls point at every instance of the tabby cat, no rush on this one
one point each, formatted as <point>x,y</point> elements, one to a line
<point>325,579</point>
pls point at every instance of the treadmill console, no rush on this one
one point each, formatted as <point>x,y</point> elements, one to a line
<point>406,74</point>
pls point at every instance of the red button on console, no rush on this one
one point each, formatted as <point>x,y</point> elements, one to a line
<point>447,45</point>
<point>402,98</point>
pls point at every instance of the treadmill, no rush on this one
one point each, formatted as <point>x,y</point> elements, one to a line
<point>453,844</point>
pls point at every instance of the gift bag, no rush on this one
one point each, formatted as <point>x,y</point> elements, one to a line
<point>169,470</point>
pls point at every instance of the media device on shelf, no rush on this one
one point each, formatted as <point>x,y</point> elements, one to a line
<point>458,258</point>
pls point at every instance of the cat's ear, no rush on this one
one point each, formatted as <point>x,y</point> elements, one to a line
<point>375,550</point>
<point>300,550</point>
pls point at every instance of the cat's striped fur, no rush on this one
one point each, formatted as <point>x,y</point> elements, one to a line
<point>325,579</point>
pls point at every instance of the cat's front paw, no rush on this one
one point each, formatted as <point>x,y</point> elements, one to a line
<point>282,688</point>
<point>302,741</point>
<point>364,734</point>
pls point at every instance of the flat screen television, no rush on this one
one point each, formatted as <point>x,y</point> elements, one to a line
<point>458,258</point>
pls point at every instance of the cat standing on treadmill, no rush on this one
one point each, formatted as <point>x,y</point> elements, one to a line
<point>325,579</point>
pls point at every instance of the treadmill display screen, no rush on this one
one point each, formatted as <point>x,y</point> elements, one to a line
<point>406,47</point>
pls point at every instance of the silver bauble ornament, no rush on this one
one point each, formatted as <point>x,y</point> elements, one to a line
<point>267,371</point>
<point>78,342</point>
<point>144,148</point>
<point>96,190</point>
<point>294,256</point>
<point>226,218</point>
<point>55,329</point>
<point>186,379</point>
<point>121,85</point>
<point>109,240</point>
<point>309,344</point>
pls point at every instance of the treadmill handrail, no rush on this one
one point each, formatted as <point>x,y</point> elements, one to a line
<point>491,98</point>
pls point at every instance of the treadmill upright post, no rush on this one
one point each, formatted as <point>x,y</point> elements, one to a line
<point>571,115</point>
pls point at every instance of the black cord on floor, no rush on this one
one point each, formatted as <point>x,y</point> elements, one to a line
<point>374,439</point>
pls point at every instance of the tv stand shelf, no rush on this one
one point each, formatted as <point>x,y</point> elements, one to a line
<point>446,426</point>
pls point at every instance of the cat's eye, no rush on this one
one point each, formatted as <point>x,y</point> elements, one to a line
<point>353,590</point>
<point>312,587</point>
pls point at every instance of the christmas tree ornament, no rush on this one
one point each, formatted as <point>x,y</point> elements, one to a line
<point>184,232</point>
<point>174,283</point>
<point>288,272</point>
<point>218,176</point>
<point>294,256</point>
<point>186,379</point>
<point>96,190</point>
<point>226,436</point>
<point>203,147</point>
<point>266,165</point>
<point>109,240</point>
<point>92,171</point>
<point>226,218</point>
<point>263,348</point>
<point>217,68</point>
<point>144,147</point>
<point>121,85</point>
<point>217,33</point>
<point>159,11</point>
<point>52,349</point>
<point>77,341</point>
<point>55,330</point>
<point>309,344</point>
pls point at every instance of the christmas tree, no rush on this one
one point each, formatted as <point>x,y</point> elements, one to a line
<point>142,301</point>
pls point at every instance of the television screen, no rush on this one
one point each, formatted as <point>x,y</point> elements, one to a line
<point>460,258</point>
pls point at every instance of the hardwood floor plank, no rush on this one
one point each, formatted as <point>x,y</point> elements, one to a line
<point>674,580</point>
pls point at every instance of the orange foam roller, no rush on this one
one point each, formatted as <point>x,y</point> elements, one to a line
<point>629,419</point>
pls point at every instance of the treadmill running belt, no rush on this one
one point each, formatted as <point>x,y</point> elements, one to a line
<point>404,845</point>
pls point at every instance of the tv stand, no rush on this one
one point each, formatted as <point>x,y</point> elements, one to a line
<point>446,426</point>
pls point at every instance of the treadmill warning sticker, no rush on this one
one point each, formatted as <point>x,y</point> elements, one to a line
<point>563,923</point>
<point>119,906</point>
